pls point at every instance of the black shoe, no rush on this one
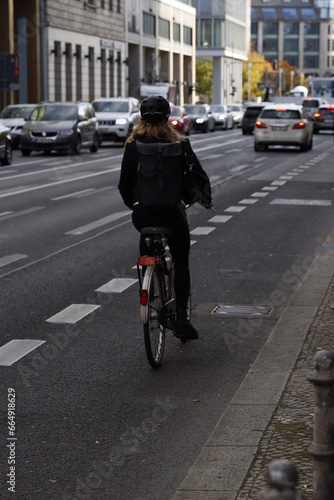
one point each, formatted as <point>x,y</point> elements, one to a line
<point>183,328</point>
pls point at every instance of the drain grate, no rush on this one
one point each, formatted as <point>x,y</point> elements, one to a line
<point>241,310</point>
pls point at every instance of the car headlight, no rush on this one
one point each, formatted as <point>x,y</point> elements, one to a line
<point>199,120</point>
<point>121,121</point>
<point>65,133</point>
<point>221,117</point>
<point>174,122</point>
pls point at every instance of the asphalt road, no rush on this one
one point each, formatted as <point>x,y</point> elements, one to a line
<point>92,419</point>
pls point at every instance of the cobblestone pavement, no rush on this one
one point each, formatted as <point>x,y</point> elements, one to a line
<point>290,431</point>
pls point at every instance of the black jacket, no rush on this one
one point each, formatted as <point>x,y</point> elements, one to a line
<point>129,171</point>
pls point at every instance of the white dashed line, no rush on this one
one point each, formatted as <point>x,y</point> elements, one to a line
<point>269,188</point>
<point>72,194</point>
<point>234,209</point>
<point>315,203</point>
<point>239,168</point>
<point>278,183</point>
<point>259,195</point>
<point>98,223</point>
<point>202,230</point>
<point>248,201</point>
<point>286,177</point>
<point>17,349</point>
<point>117,285</point>
<point>220,218</point>
<point>8,259</point>
<point>72,313</point>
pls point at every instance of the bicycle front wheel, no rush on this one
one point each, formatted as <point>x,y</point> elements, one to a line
<point>154,330</point>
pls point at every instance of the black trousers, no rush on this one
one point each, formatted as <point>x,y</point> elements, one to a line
<point>179,243</point>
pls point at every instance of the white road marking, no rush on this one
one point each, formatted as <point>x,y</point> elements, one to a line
<point>259,195</point>
<point>5,213</point>
<point>278,183</point>
<point>192,242</point>
<point>238,168</point>
<point>269,188</point>
<point>2,172</point>
<point>16,349</point>
<point>284,201</point>
<point>293,173</point>
<point>72,194</point>
<point>8,259</point>
<point>304,167</point>
<point>212,157</point>
<point>257,160</point>
<point>98,223</point>
<point>202,230</point>
<point>248,201</point>
<point>220,218</point>
<point>234,209</point>
<point>286,177</point>
<point>72,313</point>
<point>116,285</point>
<point>11,215</point>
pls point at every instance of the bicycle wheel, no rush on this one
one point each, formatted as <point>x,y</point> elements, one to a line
<point>154,330</point>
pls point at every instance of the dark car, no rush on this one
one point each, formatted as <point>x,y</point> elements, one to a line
<point>60,127</point>
<point>179,120</point>
<point>6,145</point>
<point>311,106</point>
<point>323,119</point>
<point>201,117</point>
<point>249,118</point>
<point>14,117</point>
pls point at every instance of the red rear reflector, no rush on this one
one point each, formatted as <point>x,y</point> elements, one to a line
<point>143,297</point>
<point>146,261</point>
<point>299,125</point>
<point>260,124</point>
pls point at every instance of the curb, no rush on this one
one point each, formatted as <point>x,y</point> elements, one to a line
<point>221,467</point>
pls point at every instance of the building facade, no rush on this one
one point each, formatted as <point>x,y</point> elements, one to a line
<point>223,36</point>
<point>85,49</point>
<point>300,32</point>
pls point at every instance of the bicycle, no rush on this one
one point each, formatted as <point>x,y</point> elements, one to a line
<point>157,298</point>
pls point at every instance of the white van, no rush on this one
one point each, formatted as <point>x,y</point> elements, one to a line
<point>117,116</point>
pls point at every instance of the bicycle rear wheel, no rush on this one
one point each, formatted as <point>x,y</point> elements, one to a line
<point>154,330</point>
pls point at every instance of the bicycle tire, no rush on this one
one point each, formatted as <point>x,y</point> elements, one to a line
<point>154,330</point>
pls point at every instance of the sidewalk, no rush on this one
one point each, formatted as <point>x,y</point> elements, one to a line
<point>271,415</point>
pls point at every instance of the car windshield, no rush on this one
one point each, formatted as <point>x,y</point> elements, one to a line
<point>176,112</point>
<point>54,113</point>
<point>111,106</point>
<point>195,109</point>
<point>16,111</point>
<point>217,109</point>
<point>233,108</point>
<point>311,103</point>
<point>281,114</point>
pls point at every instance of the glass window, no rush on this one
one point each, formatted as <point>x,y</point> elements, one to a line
<point>176,32</point>
<point>270,45</point>
<point>187,35</point>
<point>148,24</point>
<point>291,59</point>
<point>291,45</point>
<point>332,61</point>
<point>311,29</point>
<point>219,30</point>
<point>311,45</point>
<point>253,13</point>
<point>311,61</point>
<point>254,28</point>
<point>269,13</point>
<point>332,45</point>
<point>270,28</point>
<point>290,13</point>
<point>308,13</point>
<point>205,33</point>
<point>291,29</point>
<point>164,28</point>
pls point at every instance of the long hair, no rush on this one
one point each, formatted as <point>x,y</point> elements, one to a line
<point>161,131</point>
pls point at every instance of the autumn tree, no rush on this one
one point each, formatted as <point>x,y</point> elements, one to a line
<point>204,71</point>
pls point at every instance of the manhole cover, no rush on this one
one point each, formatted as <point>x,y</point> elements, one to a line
<point>241,310</point>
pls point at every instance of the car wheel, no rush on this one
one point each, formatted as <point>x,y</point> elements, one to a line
<point>310,146</point>
<point>244,132</point>
<point>25,152</point>
<point>303,147</point>
<point>259,147</point>
<point>95,146</point>
<point>7,159</point>
<point>213,127</point>
<point>76,148</point>
<point>316,131</point>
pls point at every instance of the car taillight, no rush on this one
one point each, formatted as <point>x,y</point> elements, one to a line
<point>143,297</point>
<point>317,115</point>
<point>146,260</point>
<point>260,124</point>
<point>299,125</point>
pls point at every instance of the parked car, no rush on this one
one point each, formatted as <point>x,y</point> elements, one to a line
<point>6,145</point>
<point>117,117</point>
<point>237,112</point>
<point>60,126</point>
<point>323,119</point>
<point>283,125</point>
<point>14,117</point>
<point>311,106</point>
<point>223,118</point>
<point>250,116</point>
<point>201,117</point>
<point>179,120</point>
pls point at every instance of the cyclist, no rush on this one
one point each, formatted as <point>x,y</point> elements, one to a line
<point>154,127</point>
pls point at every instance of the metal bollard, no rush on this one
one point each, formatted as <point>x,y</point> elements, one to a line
<point>322,447</point>
<point>282,478</point>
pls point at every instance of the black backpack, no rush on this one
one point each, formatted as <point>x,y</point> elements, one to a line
<point>159,175</point>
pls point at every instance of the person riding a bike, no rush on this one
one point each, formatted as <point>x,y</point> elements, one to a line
<point>154,128</point>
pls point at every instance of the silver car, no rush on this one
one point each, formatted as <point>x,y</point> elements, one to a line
<point>237,112</point>
<point>283,125</point>
<point>223,118</point>
<point>14,116</point>
<point>117,117</point>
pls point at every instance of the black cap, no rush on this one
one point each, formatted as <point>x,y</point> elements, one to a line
<point>155,109</point>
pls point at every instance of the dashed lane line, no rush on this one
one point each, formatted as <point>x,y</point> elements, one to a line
<point>261,194</point>
<point>9,259</point>
<point>202,230</point>
<point>12,215</point>
<point>17,349</point>
<point>117,285</point>
<point>248,201</point>
<point>234,209</point>
<point>314,203</point>
<point>98,223</point>
<point>73,313</point>
<point>220,218</point>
